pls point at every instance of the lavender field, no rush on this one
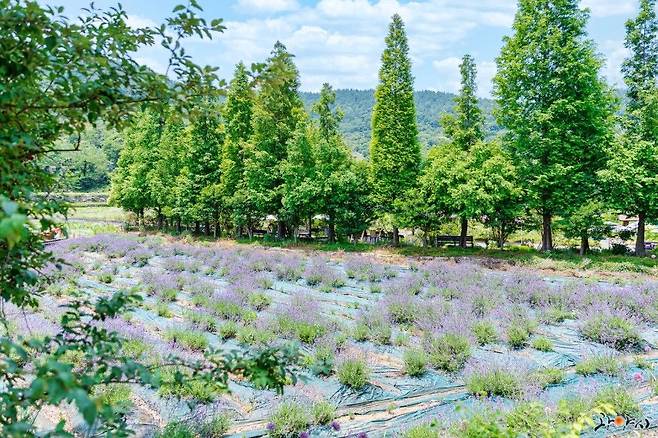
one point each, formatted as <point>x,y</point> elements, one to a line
<point>409,347</point>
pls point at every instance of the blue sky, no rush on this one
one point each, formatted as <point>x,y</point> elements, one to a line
<point>340,41</point>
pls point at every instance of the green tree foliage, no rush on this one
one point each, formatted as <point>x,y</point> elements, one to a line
<point>320,175</point>
<point>492,189</point>
<point>341,197</point>
<point>633,163</point>
<point>554,106</point>
<point>277,114</point>
<point>394,147</point>
<point>132,182</point>
<point>465,129</point>
<point>203,164</point>
<point>59,76</point>
<point>93,157</point>
<point>238,111</point>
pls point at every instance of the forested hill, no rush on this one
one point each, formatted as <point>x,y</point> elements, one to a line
<point>357,106</point>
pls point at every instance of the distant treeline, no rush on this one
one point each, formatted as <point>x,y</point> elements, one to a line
<point>561,153</point>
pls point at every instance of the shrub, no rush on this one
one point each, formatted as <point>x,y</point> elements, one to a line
<point>226,309</point>
<point>642,363</point>
<point>482,425</point>
<point>620,399</point>
<point>485,332</point>
<point>401,339</point>
<point>375,288</point>
<point>403,309</point>
<point>612,330</point>
<point>380,332</point>
<point>323,412</point>
<point>169,295</point>
<point>189,339</point>
<point>308,333</point>
<point>162,309</point>
<point>323,361</point>
<point>186,388</point>
<point>259,301</point>
<point>134,348</point>
<point>116,395</point>
<point>228,330</point>
<point>200,300</point>
<point>517,336</point>
<point>542,344</point>
<point>202,321</point>
<point>354,373</point>
<point>415,362</point>
<point>105,278</point>
<point>494,382</point>
<point>448,352</point>
<point>528,419</point>
<point>548,376</point>
<point>288,420</point>
<point>217,427</point>
<point>253,336</point>
<point>361,332</point>
<point>176,430</point>
<point>608,365</point>
<point>430,430</point>
<point>556,315</point>
<point>569,410</point>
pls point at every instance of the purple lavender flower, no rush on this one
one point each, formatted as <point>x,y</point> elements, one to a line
<point>362,435</point>
<point>304,434</point>
<point>270,427</point>
<point>335,425</point>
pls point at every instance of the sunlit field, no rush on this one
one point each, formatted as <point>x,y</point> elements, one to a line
<point>388,346</point>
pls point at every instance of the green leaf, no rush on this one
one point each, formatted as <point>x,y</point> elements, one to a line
<point>86,405</point>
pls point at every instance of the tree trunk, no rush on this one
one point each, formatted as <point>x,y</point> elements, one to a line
<point>310,226</point>
<point>332,230</point>
<point>501,237</point>
<point>280,230</point>
<point>178,225</point>
<point>250,232</point>
<point>160,219</point>
<point>396,236</point>
<point>206,225</point>
<point>584,244</point>
<point>639,242</point>
<point>547,232</point>
<point>218,231</point>
<point>197,227</point>
<point>464,232</point>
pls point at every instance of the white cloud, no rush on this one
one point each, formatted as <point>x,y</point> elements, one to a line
<point>341,40</point>
<point>615,53</point>
<point>136,22</point>
<point>448,69</point>
<point>258,6</point>
<point>609,8</point>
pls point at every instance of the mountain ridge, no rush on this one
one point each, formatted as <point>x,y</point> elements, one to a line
<point>430,105</point>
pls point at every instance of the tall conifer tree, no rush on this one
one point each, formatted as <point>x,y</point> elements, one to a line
<point>554,106</point>
<point>238,112</point>
<point>277,113</point>
<point>465,128</point>
<point>394,148</point>
<point>633,164</point>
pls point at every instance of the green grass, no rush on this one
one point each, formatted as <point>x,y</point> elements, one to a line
<point>559,260</point>
<point>97,212</point>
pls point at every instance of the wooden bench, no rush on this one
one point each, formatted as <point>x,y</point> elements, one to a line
<point>452,240</point>
<point>259,233</point>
